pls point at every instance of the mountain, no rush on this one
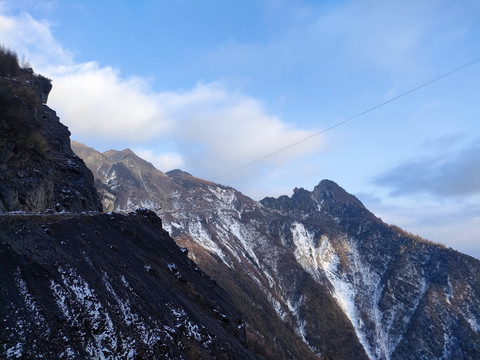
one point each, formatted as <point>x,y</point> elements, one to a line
<point>108,286</point>
<point>118,186</point>
<point>76,283</point>
<point>316,275</point>
<point>38,169</point>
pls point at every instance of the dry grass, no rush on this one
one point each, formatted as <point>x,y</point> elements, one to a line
<point>9,65</point>
<point>413,236</point>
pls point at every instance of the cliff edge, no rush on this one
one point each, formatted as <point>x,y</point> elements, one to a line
<point>38,169</point>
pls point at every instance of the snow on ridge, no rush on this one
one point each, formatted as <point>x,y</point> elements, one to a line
<point>111,177</point>
<point>75,299</point>
<point>317,261</point>
<point>242,238</point>
<point>356,287</point>
<point>15,352</point>
<point>224,196</point>
<point>367,283</point>
<point>294,308</point>
<point>468,306</point>
<point>245,238</point>
<point>448,291</point>
<point>306,253</point>
<point>134,205</point>
<point>190,329</point>
<point>277,306</point>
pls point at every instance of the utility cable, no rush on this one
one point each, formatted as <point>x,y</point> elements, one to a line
<point>253,162</point>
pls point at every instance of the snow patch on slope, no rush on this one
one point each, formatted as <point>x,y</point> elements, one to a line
<point>202,237</point>
<point>224,196</point>
<point>76,298</point>
<point>323,259</point>
<point>358,289</point>
<point>28,298</point>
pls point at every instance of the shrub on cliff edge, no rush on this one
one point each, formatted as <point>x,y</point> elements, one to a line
<point>9,65</point>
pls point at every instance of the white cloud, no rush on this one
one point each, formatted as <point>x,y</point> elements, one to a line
<point>33,39</point>
<point>163,161</point>
<point>212,127</point>
<point>218,130</point>
<point>96,101</point>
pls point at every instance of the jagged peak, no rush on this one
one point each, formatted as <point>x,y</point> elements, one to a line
<point>328,190</point>
<point>326,195</point>
<point>187,178</point>
<point>82,145</point>
<point>127,151</point>
<point>83,151</point>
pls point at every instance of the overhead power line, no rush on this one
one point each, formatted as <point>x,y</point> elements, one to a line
<point>266,156</point>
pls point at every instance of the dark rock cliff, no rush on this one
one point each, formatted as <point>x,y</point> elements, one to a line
<point>108,286</point>
<point>79,284</point>
<point>38,169</point>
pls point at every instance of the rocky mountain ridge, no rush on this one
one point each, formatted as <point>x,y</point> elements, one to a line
<point>76,283</point>
<point>345,284</point>
<point>391,286</point>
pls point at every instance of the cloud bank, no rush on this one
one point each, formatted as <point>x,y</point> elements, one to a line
<point>210,128</point>
<point>452,174</point>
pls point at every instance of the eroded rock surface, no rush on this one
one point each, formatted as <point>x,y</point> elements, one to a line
<point>38,169</point>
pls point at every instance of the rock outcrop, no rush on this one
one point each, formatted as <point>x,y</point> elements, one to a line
<point>38,169</point>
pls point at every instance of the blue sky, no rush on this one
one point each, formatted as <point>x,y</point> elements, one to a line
<point>208,86</point>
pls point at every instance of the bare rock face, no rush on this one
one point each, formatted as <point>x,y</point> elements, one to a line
<point>38,169</point>
<point>108,286</point>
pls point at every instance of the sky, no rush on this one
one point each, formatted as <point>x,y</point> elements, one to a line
<point>210,86</point>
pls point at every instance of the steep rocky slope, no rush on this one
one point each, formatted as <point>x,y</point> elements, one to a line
<point>325,270</point>
<point>108,286</point>
<point>406,297</point>
<point>38,169</point>
<point>79,284</point>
